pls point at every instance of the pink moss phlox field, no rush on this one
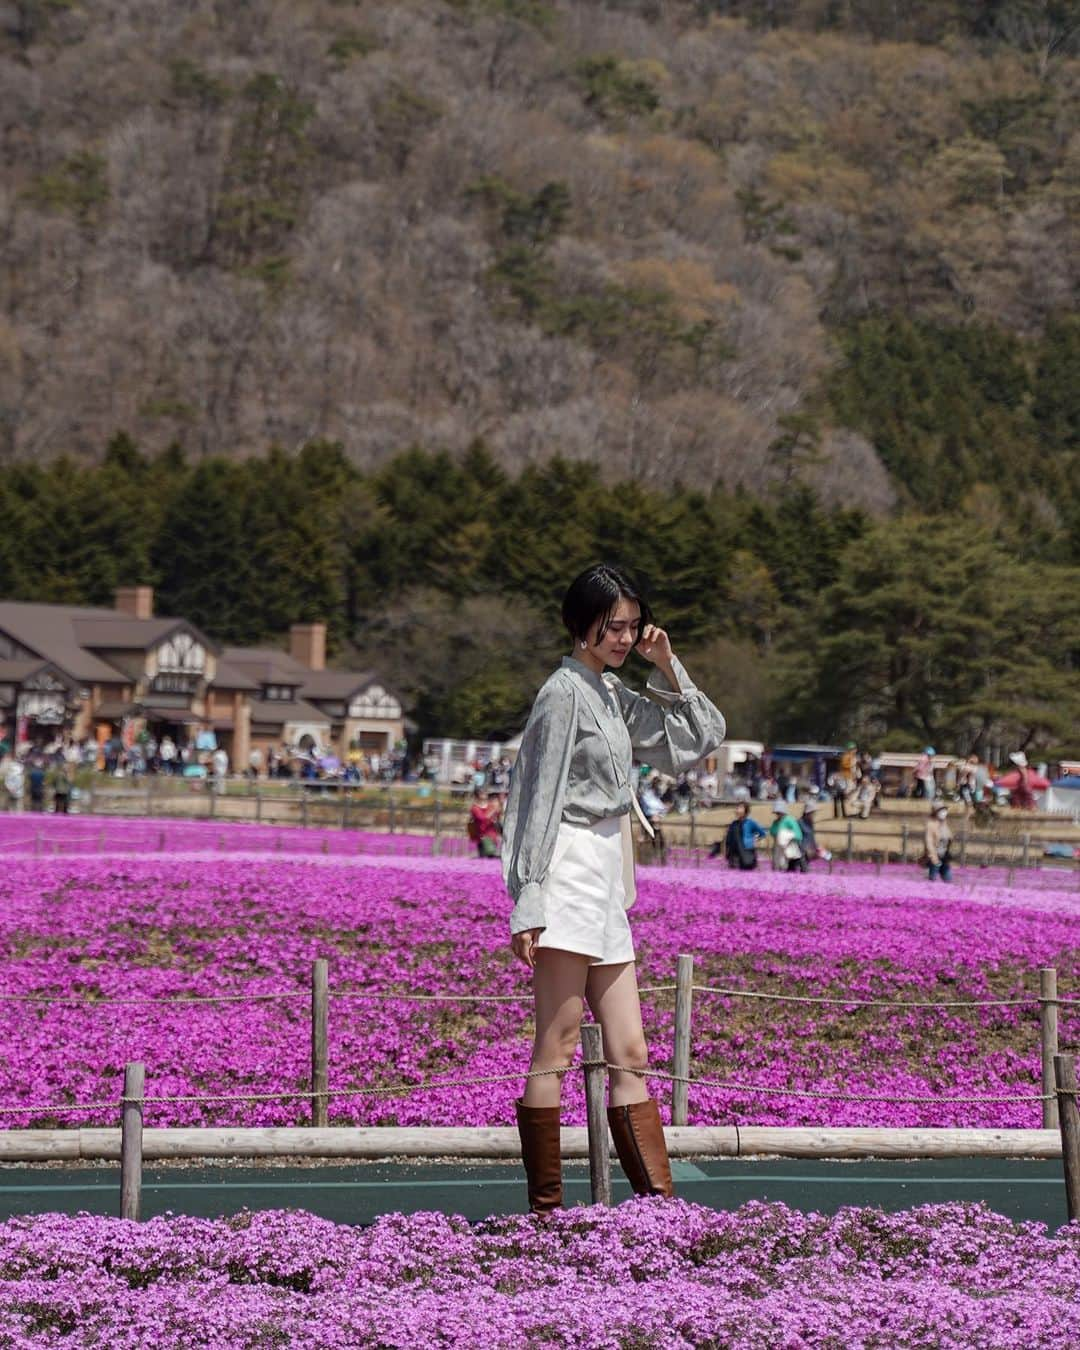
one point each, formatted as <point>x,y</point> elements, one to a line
<point>139,921</point>
<point>645,1274</point>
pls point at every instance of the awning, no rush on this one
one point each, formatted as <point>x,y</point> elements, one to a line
<point>115,711</point>
<point>154,712</point>
<point>1036,782</point>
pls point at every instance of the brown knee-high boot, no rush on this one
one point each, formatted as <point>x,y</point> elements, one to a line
<point>639,1142</point>
<point>538,1127</point>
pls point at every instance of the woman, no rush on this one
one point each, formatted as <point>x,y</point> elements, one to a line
<point>938,843</point>
<point>568,864</point>
<point>786,834</point>
<point>740,840</point>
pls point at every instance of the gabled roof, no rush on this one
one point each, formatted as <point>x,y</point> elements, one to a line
<point>336,684</point>
<point>276,712</point>
<point>49,631</point>
<point>14,672</point>
<point>228,676</point>
<point>267,665</point>
<point>119,633</point>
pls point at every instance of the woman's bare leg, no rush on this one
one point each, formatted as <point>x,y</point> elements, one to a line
<point>559,993</point>
<point>613,997</point>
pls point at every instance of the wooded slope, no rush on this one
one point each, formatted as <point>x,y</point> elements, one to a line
<point>696,241</point>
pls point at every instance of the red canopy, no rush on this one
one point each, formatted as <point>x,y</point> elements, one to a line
<point>1035,781</point>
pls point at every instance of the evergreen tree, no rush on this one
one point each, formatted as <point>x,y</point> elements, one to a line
<point>202,556</point>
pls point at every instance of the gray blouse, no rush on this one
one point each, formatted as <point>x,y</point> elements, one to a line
<point>576,763</point>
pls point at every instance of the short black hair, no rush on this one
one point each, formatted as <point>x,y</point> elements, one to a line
<point>592,598</point>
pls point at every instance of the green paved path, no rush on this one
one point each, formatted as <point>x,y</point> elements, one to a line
<point>356,1193</point>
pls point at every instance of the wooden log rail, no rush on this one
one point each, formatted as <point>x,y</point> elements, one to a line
<point>384,1141</point>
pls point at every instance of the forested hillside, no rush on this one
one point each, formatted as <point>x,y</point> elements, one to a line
<point>446,575</point>
<point>394,313</point>
<point>740,242</point>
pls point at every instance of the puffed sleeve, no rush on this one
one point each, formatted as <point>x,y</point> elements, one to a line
<point>671,729</point>
<point>534,806</point>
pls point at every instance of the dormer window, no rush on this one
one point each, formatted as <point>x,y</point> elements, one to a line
<point>279,693</point>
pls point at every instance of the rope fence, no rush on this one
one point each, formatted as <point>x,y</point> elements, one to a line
<point>437,1084</point>
<point>819,1095</point>
<point>343,995</point>
<point>1024,1001</point>
<point>1048,1001</point>
<point>366,995</point>
<point>1057,1093</point>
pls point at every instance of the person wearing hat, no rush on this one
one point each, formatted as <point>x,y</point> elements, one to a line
<point>810,849</point>
<point>938,843</point>
<point>787,836</point>
<point>1022,795</point>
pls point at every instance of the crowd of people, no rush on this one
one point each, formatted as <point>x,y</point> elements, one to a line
<point>857,784</point>
<point>37,782</point>
<point>201,755</point>
<point>791,839</point>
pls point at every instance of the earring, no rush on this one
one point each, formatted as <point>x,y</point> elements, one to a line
<point>584,644</point>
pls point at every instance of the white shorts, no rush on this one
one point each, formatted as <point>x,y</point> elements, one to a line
<point>585,895</point>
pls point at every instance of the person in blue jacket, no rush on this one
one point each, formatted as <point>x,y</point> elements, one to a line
<point>740,840</point>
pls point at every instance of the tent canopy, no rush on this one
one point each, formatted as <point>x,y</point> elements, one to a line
<point>1036,782</point>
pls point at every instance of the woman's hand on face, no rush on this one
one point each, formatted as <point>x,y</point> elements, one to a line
<point>655,645</point>
<point>524,945</point>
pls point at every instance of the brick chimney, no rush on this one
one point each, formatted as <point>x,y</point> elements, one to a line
<point>136,601</point>
<point>307,644</point>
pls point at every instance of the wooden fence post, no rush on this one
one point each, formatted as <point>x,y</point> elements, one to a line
<point>1048,1036</point>
<point>303,808</point>
<point>680,1060</point>
<point>436,842</point>
<point>391,810</point>
<point>904,841</point>
<point>161,841</point>
<point>1025,857</point>
<point>850,842</point>
<point>963,846</point>
<point>258,805</point>
<point>131,1142</point>
<point>320,1068</point>
<point>592,1046</point>
<point>1065,1077</point>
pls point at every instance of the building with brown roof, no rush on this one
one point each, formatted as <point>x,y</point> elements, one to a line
<point>302,704</point>
<point>101,672</point>
<point>107,669</point>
